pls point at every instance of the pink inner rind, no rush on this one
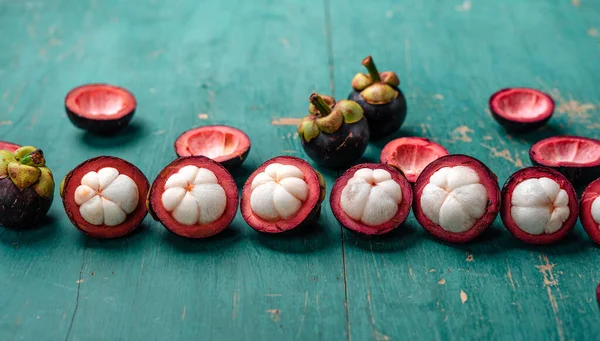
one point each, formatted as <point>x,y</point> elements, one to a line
<point>566,151</point>
<point>411,155</point>
<point>590,226</point>
<point>100,101</point>
<point>522,104</point>
<point>538,172</point>
<point>11,147</point>
<point>219,143</point>
<point>397,220</point>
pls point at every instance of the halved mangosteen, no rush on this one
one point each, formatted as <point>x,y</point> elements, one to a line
<point>411,155</point>
<point>576,157</point>
<point>104,197</point>
<point>539,205</point>
<point>100,108</point>
<point>283,193</point>
<point>371,198</point>
<point>194,197</point>
<point>226,145</point>
<point>457,198</point>
<point>589,210</point>
<point>521,109</point>
<point>9,146</point>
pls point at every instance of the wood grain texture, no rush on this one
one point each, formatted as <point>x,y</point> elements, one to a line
<point>252,65</point>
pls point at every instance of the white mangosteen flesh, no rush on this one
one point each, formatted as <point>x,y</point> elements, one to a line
<point>194,196</point>
<point>539,206</point>
<point>596,210</point>
<point>371,196</point>
<point>278,192</point>
<point>106,197</point>
<point>454,198</point>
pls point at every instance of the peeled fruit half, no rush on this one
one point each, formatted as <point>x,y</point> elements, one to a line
<point>100,108</point>
<point>576,157</point>
<point>283,193</point>
<point>8,146</point>
<point>371,198</point>
<point>539,205</point>
<point>589,210</point>
<point>411,155</point>
<point>194,197</point>
<point>456,198</point>
<point>104,197</point>
<point>521,109</point>
<point>226,145</point>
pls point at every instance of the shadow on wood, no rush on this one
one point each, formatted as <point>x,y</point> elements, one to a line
<point>215,244</point>
<point>304,239</point>
<point>45,230</point>
<point>133,133</point>
<point>400,239</point>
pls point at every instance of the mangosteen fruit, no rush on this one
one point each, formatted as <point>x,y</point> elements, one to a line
<point>521,109</point>
<point>457,198</point>
<point>194,197</point>
<point>576,157</point>
<point>411,155</point>
<point>381,99</point>
<point>589,210</point>
<point>100,108</point>
<point>226,145</point>
<point>105,197</point>
<point>9,146</point>
<point>371,198</point>
<point>334,135</point>
<point>26,187</point>
<point>539,205</point>
<point>283,193</point>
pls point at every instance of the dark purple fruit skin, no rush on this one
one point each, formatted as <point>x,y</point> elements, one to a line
<point>21,209</point>
<point>383,119</point>
<point>101,127</point>
<point>518,127</point>
<point>579,177</point>
<point>339,149</point>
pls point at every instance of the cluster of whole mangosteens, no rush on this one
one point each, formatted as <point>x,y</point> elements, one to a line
<point>454,197</point>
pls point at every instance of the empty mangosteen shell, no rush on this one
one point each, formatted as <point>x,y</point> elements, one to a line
<point>310,177</point>
<point>341,148</point>
<point>73,179</point>
<point>525,125</point>
<point>585,215</point>
<point>158,213</point>
<point>9,146</point>
<point>383,119</point>
<point>96,126</point>
<point>385,156</point>
<point>362,229</point>
<point>486,177</point>
<point>235,160</point>
<point>579,175</point>
<point>537,172</point>
<point>21,209</point>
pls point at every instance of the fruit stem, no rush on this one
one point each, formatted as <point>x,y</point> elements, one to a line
<point>370,65</point>
<point>320,104</point>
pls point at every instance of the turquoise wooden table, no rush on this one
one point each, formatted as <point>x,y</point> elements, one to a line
<point>252,65</point>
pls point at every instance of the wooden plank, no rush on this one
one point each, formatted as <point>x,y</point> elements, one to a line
<point>450,57</point>
<point>189,64</point>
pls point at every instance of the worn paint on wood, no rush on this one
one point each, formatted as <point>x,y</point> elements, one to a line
<point>253,65</point>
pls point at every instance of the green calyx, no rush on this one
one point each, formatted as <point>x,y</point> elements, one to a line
<point>327,116</point>
<point>26,167</point>
<point>376,87</point>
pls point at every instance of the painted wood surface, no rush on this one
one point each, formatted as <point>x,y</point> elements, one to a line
<point>252,65</point>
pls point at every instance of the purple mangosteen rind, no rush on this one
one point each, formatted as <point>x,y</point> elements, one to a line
<point>315,178</point>
<point>591,227</point>
<point>487,178</point>
<point>520,126</point>
<point>580,175</point>
<point>334,135</point>
<point>363,229</point>
<point>26,187</point>
<point>537,172</point>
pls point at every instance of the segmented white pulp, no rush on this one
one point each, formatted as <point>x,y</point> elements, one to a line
<point>278,192</point>
<point>539,206</point>
<point>371,196</point>
<point>596,210</point>
<point>194,196</point>
<point>454,198</point>
<point>106,197</point>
